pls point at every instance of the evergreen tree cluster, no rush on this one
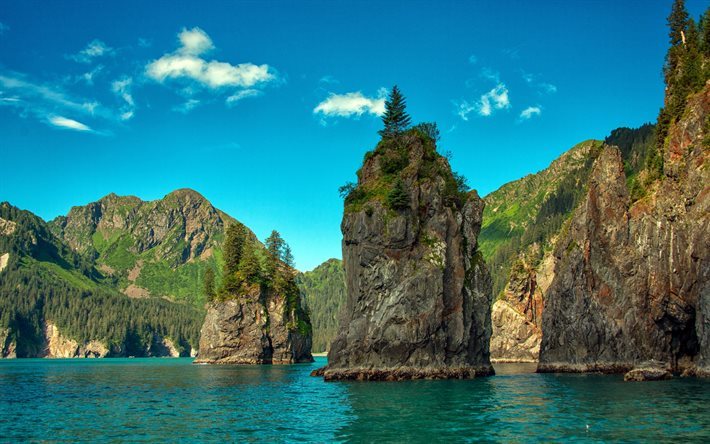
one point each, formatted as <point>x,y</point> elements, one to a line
<point>323,292</point>
<point>685,72</point>
<point>31,296</point>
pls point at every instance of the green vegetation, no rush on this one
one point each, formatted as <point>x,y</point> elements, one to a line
<point>391,168</point>
<point>523,217</point>
<point>323,292</point>
<point>209,284</point>
<point>395,118</point>
<point>398,199</point>
<point>686,70</point>
<point>45,281</point>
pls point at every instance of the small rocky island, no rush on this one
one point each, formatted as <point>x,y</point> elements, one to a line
<point>418,292</point>
<point>255,317</point>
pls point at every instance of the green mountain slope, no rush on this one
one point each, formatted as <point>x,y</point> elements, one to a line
<point>160,248</point>
<point>524,217</point>
<point>323,291</point>
<point>44,282</point>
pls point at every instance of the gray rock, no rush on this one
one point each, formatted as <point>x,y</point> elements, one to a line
<point>418,292</point>
<point>631,282</point>
<point>253,329</point>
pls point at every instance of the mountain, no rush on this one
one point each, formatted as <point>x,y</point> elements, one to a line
<point>159,248</point>
<point>418,292</point>
<point>323,291</point>
<point>522,222</point>
<point>55,303</point>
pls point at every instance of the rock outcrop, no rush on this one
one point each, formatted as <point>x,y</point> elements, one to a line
<point>418,291</point>
<point>631,282</point>
<point>58,346</point>
<point>8,346</point>
<point>256,328</point>
<point>648,371</point>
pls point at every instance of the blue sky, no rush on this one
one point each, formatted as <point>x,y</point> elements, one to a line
<point>266,108</point>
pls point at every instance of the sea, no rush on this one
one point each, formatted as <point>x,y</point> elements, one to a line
<point>172,400</point>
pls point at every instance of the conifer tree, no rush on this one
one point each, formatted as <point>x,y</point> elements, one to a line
<point>209,284</point>
<point>233,252</point>
<point>233,246</point>
<point>395,118</point>
<point>398,198</point>
<point>275,244</point>
<point>249,266</point>
<point>287,255</point>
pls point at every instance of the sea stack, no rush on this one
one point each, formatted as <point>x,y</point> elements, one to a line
<point>418,292</point>
<point>632,281</point>
<point>255,317</point>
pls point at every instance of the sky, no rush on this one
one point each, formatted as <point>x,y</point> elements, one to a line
<point>266,108</point>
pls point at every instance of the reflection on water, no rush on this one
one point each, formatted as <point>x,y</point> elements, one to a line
<point>154,399</point>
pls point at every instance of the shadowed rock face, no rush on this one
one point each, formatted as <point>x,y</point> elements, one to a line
<point>254,329</point>
<point>631,282</point>
<point>418,292</point>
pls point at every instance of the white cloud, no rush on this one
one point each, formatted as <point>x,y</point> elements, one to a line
<point>188,106</point>
<point>490,74</point>
<point>122,88</point>
<point>495,99</point>
<point>530,112</point>
<point>89,76</point>
<point>186,64</point>
<point>194,41</point>
<point>64,122</point>
<point>95,48</point>
<point>328,79</point>
<point>49,103</point>
<point>241,95</point>
<point>472,59</point>
<point>548,88</point>
<point>352,104</point>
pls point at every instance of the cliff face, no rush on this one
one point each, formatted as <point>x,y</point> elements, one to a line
<point>257,328</point>
<point>631,281</point>
<point>521,223</point>
<point>418,291</point>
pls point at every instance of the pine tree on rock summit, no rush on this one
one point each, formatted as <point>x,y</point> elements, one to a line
<point>395,118</point>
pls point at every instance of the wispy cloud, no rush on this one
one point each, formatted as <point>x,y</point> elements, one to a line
<point>495,99</point>
<point>187,106</point>
<point>472,59</point>
<point>3,28</point>
<point>530,112</point>
<point>241,95</point>
<point>96,48</point>
<point>328,80</point>
<point>534,81</point>
<point>46,102</point>
<point>186,63</point>
<point>122,88</point>
<point>66,123</point>
<point>548,88</point>
<point>90,76</point>
<point>352,104</point>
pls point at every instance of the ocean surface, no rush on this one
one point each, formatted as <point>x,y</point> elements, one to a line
<point>173,400</point>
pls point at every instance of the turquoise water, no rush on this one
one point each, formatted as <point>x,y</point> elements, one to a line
<point>171,399</point>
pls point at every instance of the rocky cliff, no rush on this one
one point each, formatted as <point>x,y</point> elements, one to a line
<point>418,291</point>
<point>258,327</point>
<point>631,279</point>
